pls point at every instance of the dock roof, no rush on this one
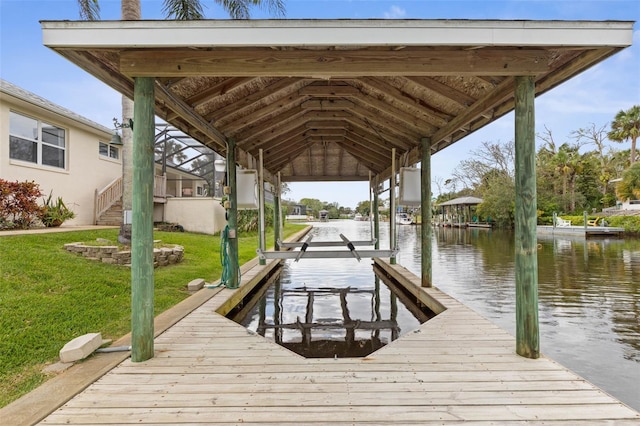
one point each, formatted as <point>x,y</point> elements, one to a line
<point>328,100</point>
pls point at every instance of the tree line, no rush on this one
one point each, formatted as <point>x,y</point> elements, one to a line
<point>582,173</point>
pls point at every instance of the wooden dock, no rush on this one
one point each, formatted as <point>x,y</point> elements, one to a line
<point>581,231</point>
<point>456,368</point>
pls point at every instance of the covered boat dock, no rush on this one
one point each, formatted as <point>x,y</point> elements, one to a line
<point>315,100</point>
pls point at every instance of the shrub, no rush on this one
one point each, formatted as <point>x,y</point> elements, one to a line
<point>18,204</point>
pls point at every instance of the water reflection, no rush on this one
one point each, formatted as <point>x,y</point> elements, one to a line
<point>332,307</point>
<point>589,296</point>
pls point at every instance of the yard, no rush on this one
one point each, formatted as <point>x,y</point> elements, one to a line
<point>49,296</point>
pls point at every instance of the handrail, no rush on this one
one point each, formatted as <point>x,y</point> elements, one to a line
<point>107,197</point>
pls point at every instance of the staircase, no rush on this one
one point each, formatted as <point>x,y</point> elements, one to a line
<point>112,216</point>
<point>108,204</point>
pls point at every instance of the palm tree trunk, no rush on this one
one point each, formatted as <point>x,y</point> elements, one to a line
<point>131,11</point>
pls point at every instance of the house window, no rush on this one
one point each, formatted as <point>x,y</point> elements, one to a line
<point>109,150</point>
<point>36,141</point>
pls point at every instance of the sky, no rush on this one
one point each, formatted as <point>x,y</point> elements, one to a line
<point>593,97</point>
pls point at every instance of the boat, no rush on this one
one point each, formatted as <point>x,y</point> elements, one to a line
<point>404,219</point>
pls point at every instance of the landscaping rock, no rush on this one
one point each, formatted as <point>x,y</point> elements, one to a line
<point>196,284</point>
<point>80,347</point>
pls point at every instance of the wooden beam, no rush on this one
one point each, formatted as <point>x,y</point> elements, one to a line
<point>169,100</point>
<point>331,63</point>
<point>417,106</point>
<point>450,93</point>
<point>288,118</point>
<point>402,115</point>
<point>304,178</point>
<point>221,88</point>
<point>232,234</point>
<point>526,250</point>
<point>327,104</point>
<point>142,287</point>
<point>425,211</point>
<point>501,93</point>
<point>277,89</point>
<point>329,91</point>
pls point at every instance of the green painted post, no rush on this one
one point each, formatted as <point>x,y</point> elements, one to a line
<point>232,221</point>
<point>526,254</point>
<point>261,222</point>
<point>142,221</point>
<point>276,214</point>
<point>392,210</point>
<point>376,215</point>
<point>425,209</point>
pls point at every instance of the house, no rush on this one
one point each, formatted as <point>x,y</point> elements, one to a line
<point>66,154</point>
<point>74,158</point>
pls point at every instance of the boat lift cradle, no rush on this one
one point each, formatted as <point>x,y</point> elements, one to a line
<point>326,254</point>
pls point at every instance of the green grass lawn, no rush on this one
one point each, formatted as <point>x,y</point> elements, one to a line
<point>49,296</point>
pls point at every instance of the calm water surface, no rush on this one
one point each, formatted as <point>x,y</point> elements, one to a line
<point>331,307</point>
<point>589,292</point>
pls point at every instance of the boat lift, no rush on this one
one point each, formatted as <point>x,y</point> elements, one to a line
<point>326,254</point>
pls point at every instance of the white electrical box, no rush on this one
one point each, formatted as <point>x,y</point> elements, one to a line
<point>247,184</point>
<point>410,187</point>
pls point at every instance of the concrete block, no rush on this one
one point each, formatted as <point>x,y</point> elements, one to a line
<point>80,347</point>
<point>196,284</point>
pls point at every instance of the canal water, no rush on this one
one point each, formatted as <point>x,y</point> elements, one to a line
<point>589,292</point>
<point>332,308</point>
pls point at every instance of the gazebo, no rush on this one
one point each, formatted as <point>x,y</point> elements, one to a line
<point>460,203</point>
<point>334,100</point>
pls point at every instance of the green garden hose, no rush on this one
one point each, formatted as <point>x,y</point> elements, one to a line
<point>225,259</point>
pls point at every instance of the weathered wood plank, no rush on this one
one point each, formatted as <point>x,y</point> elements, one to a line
<point>386,414</point>
<point>301,63</point>
<point>208,369</point>
<point>342,398</point>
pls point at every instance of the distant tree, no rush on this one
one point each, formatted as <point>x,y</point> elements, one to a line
<point>626,126</point>
<point>491,156</point>
<point>312,203</point>
<point>174,151</point>
<point>498,199</point>
<point>364,208</point>
<point>629,187</point>
<point>607,166</point>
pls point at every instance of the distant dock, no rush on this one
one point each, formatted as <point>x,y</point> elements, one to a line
<point>582,231</point>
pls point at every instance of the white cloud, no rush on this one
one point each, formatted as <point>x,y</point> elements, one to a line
<point>395,12</point>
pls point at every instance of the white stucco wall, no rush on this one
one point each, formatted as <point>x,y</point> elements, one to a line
<point>197,214</point>
<point>86,170</point>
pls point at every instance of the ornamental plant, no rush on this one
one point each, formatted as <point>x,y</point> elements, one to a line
<point>54,213</point>
<point>19,207</point>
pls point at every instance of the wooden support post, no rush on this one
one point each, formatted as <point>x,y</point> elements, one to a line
<point>392,206</point>
<point>425,209</point>
<point>527,328</point>
<point>376,215</point>
<point>142,301</point>
<point>233,214</point>
<point>261,221</point>
<point>276,214</point>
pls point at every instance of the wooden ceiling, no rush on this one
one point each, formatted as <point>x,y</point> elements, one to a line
<point>332,111</point>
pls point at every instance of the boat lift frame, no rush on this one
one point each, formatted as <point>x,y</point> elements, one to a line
<point>326,254</point>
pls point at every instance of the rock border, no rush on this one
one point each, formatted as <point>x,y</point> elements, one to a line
<point>113,255</point>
